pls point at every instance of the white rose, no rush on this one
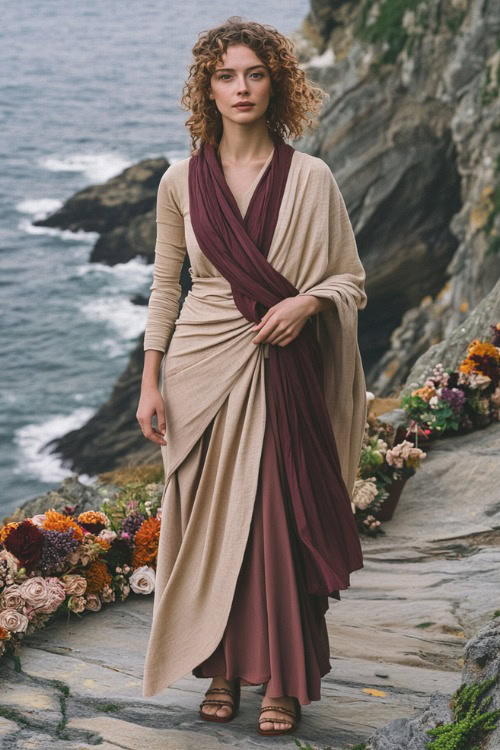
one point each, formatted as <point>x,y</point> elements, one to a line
<point>142,580</point>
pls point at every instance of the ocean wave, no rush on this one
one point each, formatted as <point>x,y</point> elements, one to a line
<point>96,167</point>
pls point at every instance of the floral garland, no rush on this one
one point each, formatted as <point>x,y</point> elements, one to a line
<point>464,399</point>
<point>55,562</point>
<point>449,401</point>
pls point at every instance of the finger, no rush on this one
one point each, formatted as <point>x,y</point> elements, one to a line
<point>159,433</point>
<point>263,336</point>
<point>157,439</point>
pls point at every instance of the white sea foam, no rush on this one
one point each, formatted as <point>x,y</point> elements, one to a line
<point>66,235</point>
<point>35,459</point>
<point>131,275</point>
<point>39,208</point>
<point>127,319</point>
<point>96,167</point>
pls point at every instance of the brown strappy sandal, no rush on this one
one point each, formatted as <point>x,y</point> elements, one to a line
<point>297,714</point>
<point>235,705</point>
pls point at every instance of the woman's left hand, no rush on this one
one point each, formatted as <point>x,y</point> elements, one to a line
<point>284,321</point>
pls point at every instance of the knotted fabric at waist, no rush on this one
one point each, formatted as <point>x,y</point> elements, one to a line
<point>216,286</point>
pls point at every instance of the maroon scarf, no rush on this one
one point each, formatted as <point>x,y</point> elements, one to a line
<point>309,461</point>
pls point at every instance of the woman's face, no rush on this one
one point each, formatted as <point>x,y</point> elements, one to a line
<point>241,76</point>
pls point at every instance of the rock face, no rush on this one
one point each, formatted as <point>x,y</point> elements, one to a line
<point>412,134</point>
<point>122,210</point>
<point>454,347</point>
<point>482,661</point>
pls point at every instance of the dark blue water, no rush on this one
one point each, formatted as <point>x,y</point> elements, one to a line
<point>86,90</point>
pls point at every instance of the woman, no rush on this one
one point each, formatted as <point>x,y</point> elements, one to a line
<point>262,403</point>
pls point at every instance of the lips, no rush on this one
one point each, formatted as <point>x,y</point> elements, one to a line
<point>244,105</point>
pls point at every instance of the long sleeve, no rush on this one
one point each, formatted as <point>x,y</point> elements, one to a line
<point>170,250</point>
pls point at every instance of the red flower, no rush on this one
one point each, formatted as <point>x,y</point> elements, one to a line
<point>25,542</point>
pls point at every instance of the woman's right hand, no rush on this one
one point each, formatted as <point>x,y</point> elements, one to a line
<point>151,403</point>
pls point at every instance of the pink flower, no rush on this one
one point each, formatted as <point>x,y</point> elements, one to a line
<point>12,620</point>
<point>11,598</point>
<point>74,584</point>
<point>35,591</point>
<point>57,594</point>
<point>93,602</point>
<point>76,603</point>
<point>107,534</point>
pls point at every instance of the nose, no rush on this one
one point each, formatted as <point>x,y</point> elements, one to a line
<point>242,86</point>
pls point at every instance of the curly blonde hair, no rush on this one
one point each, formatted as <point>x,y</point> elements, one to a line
<point>295,102</point>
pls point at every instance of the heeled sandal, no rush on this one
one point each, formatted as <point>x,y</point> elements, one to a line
<point>297,715</point>
<point>235,692</point>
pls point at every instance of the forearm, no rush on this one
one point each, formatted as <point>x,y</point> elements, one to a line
<point>317,304</point>
<point>151,369</point>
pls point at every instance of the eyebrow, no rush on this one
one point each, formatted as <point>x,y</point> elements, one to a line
<point>232,69</point>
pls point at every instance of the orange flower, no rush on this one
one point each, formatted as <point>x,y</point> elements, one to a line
<point>93,516</point>
<point>103,543</point>
<point>482,357</point>
<point>59,522</point>
<point>146,542</point>
<point>98,576</point>
<point>142,556</point>
<point>4,633</point>
<point>426,392</point>
<point>5,531</point>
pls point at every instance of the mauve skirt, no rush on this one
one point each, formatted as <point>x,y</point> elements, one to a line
<point>276,631</point>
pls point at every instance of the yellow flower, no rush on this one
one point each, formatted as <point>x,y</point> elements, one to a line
<point>59,522</point>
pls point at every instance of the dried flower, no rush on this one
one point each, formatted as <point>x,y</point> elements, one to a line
<point>98,576</point>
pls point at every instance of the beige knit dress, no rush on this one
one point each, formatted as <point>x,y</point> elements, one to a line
<point>212,372</point>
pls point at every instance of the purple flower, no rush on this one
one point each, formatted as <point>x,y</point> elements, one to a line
<point>57,545</point>
<point>455,397</point>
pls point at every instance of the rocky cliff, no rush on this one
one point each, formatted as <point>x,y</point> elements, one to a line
<point>411,132</point>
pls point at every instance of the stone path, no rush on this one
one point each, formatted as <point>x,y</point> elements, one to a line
<point>426,587</point>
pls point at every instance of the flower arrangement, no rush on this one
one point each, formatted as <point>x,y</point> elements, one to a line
<point>57,562</point>
<point>379,467</point>
<point>461,400</point>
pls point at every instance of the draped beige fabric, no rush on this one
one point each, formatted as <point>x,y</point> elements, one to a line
<point>212,370</point>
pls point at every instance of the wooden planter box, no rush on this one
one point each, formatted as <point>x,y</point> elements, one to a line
<point>386,512</point>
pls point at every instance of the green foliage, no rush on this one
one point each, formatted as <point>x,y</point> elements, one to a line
<point>441,418</point>
<point>471,724</point>
<point>387,27</point>
<point>494,244</point>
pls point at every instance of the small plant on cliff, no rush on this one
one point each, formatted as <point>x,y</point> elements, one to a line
<point>471,723</point>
